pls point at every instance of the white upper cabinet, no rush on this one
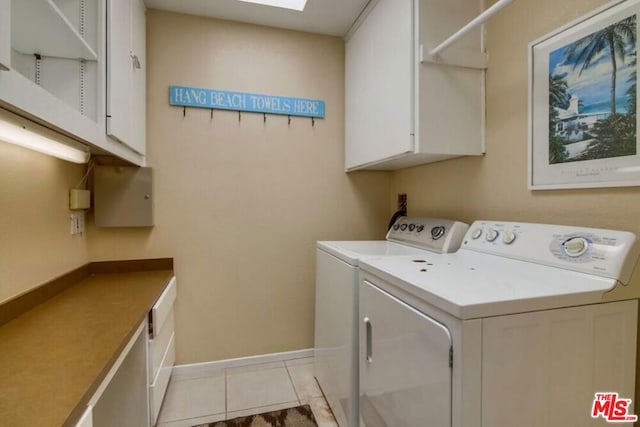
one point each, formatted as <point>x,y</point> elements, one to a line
<point>402,110</point>
<point>52,69</point>
<point>5,34</point>
<point>126,70</point>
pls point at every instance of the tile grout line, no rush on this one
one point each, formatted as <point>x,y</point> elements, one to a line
<point>292,384</point>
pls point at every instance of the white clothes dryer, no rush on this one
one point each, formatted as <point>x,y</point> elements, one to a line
<point>336,315</point>
<point>519,327</point>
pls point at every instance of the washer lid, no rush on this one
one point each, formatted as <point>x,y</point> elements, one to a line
<point>350,251</point>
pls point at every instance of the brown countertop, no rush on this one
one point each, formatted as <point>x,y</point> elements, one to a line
<point>54,356</point>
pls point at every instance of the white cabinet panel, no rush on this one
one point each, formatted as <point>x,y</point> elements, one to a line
<point>158,346</point>
<point>124,401</point>
<point>163,307</point>
<point>563,357</point>
<point>138,85</point>
<point>336,335</point>
<point>86,420</point>
<point>126,67</point>
<point>5,35</point>
<point>159,386</point>
<point>405,369</point>
<point>379,86</point>
<point>401,112</point>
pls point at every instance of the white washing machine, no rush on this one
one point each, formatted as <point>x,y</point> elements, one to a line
<point>336,316</point>
<point>520,327</point>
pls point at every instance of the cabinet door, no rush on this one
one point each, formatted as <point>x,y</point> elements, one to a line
<point>379,86</point>
<point>125,72</point>
<point>87,419</point>
<point>138,78</point>
<point>125,400</point>
<point>405,370</point>
<point>5,34</point>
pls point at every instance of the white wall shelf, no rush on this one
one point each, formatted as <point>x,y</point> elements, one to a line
<point>477,21</point>
<point>43,29</point>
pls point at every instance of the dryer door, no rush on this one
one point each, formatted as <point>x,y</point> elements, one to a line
<point>405,370</point>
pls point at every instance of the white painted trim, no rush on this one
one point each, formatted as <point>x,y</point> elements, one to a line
<point>241,361</point>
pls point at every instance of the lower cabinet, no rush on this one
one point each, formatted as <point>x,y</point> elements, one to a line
<point>132,392</point>
<point>123,402</point>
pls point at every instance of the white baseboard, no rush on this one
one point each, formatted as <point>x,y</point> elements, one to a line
<point>193,369</point>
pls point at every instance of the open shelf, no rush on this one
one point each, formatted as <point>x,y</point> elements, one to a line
<point>41,28</point>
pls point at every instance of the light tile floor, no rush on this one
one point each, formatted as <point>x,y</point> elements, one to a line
<point>216,395</point>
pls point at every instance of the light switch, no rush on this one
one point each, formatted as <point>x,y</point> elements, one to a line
<point>76,222</point>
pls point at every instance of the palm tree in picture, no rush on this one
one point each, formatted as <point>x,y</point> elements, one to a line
<point>558,92</point>
<point>558,98</point>
<point>613,39</point>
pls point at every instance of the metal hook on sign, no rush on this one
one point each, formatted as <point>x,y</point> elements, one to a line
<point>211,115</point>
<point>264,117</point>
<point>313,122</point>
<point>239,116</point>
<point>288,120</point>
<point>184,112</point>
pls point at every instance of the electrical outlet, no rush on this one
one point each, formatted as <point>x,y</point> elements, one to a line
<point>402,202</point>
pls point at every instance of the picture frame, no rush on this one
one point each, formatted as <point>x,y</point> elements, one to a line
<point>583,127</point>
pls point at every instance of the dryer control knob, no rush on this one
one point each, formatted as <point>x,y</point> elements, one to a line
<point>575,246</point>
<point>396,227</point>
<point>403,227</point>
<point>419,228</point>
<point>412,227</point>
<point>437,232</point>
<point>476,233</point>
<point>508,237</point>
<point>492,235</point>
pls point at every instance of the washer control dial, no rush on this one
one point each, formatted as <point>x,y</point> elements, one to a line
<point>492,235</point>
<point>476,233</point>
<point>437,232</point>
<point>508,237</point>
<point>575,246</point>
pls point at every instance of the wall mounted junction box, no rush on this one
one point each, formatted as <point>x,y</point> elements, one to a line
<point>79,199</point>
<point>123,196</point>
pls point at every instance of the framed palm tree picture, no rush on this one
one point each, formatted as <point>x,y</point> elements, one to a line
<point>583,128</point>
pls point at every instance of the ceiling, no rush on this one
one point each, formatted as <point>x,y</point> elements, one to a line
<point>333,17</point>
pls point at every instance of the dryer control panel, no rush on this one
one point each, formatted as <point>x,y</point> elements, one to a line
<point>435,234</point>
<point>606,253</point>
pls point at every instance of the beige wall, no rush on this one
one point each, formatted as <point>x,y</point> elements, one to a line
<point>35,244</point>
<point>240,205</point>
<point>495,186</point>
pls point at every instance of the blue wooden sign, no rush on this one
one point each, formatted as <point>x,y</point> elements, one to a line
<point>185,96</point>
